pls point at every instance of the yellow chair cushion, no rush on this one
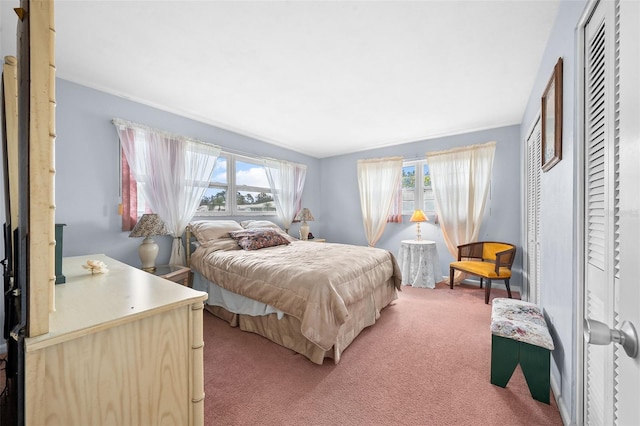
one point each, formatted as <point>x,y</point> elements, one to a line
<point>489,250</point>
<point>482,269</point>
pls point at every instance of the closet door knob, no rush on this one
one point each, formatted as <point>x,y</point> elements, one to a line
<point>598,333</point>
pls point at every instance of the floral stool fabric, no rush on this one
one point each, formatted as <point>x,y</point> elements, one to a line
<point>519,320</point>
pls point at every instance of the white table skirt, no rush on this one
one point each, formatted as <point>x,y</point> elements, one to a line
<point>419,263</point>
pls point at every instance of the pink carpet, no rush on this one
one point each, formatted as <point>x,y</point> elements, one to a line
<point>425,362</point>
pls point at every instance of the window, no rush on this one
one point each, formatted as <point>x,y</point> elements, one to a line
<point>243,176</point>
<point>416,187</point>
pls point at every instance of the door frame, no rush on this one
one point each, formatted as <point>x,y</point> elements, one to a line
<point>526,291</point>
<point>579,198</point>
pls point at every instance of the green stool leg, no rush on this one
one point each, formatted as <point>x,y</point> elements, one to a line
<point>504,359</point>
<point>506,354</point>
<point>534,361</point>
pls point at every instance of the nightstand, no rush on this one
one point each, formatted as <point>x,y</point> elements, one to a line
<point>419,263</point>
<point>176,273</point>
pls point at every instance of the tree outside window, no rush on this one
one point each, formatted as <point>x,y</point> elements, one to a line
<point>417,192</point>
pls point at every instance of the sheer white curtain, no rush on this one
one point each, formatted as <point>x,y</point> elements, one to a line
<point>287,182</point>
<point>460,179</point>
<point>174,172</point>
<point>378,181</point>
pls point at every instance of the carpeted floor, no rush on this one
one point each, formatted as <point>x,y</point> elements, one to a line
<point>425,362</point>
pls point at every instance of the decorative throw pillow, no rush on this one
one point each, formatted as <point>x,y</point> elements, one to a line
<point>206,231</point>
<point>257,238</point>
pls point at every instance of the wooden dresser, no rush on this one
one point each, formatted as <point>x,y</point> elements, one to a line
<point>123,348</point>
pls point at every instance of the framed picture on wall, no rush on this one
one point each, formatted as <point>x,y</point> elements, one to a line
<point>552,119</point>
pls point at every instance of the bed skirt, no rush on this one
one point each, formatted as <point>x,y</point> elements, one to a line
<point>286,331</point>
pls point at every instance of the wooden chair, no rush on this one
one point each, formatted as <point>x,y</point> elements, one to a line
<point>488,260</point>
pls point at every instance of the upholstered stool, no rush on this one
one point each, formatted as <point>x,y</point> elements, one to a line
<point>519,335</point>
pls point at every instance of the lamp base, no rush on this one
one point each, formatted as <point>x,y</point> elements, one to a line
<point>304,231</point>
<point>148,251</point>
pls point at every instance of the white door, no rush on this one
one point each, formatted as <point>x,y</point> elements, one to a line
<point>612,208</point>
<point>534,148</point>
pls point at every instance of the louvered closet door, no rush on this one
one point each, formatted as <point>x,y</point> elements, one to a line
<point>534,146</point>
<point>612,237</point>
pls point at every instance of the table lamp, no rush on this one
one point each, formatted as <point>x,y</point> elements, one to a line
<point>304,215</point>
<point>418,216</point>
<point>148,226</point>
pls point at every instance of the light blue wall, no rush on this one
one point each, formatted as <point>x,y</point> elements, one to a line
<point>342,216</point>
<point>559,209</point>
<point>87,158</point>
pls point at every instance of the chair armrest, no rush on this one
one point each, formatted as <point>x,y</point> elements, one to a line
<point>505,259</point>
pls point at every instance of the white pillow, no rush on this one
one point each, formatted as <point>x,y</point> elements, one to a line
<point>206,231</point>
<point>253,224</point>
<point>249,224</point>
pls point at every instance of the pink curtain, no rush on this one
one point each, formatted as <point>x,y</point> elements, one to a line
<point>129,206</point>
<point>395,215</point>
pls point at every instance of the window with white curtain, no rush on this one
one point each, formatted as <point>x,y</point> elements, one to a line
<point>417,192</point>
<point>174,172</point>
<point>243,176</point>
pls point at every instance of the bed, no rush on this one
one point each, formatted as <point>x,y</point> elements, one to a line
<point>313,298</point>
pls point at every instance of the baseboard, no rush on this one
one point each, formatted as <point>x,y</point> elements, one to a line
<point>562,407</point>
<point>494,284</point>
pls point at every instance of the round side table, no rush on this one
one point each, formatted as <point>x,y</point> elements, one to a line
<point>419,263</point>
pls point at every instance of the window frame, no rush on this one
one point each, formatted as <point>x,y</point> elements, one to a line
<point>419,187</point>
<point>233,188</point>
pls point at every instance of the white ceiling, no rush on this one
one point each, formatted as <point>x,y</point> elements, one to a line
<point>319,77</point>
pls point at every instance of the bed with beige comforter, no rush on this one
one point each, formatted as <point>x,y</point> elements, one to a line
<point>328,292</point>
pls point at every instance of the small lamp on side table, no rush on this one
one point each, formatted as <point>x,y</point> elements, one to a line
<point>304,215</point>
<point>148,226</point>
<point>418,216</point>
